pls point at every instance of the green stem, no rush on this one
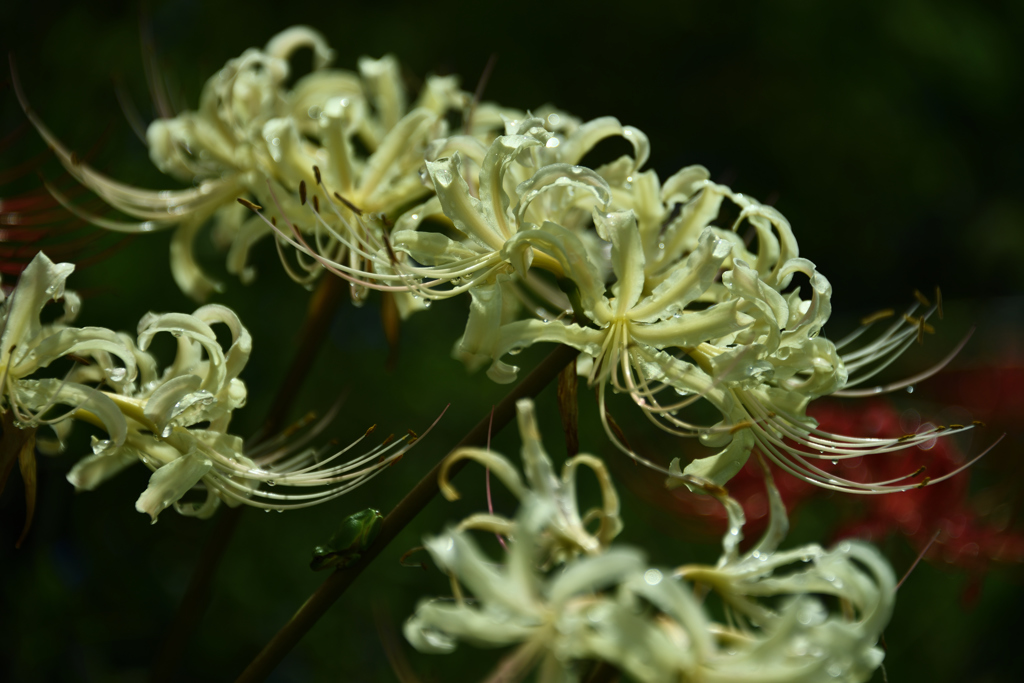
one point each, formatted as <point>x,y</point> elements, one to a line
<point>322,306</point>
<point>335,585</point>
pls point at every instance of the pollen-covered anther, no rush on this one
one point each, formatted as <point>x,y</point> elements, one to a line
<point>878,315</point>
<point>921,324</point>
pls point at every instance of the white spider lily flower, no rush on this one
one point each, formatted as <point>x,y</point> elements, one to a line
<point>613,607</point>
<point>797,639</point>
<point>251,135</point>
<point>483,216</point>
<point>590,611</point>
<point>529,163</point>
<point>175,422</point>
<point>178,427</point>
<point>511,604</point>
<point>27,346</point>
<point>565,534</point>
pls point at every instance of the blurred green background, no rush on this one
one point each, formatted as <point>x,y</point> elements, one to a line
<point>889,134</point>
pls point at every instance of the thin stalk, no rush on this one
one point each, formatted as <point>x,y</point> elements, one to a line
<point>322,305</point>
<point>335,585</point>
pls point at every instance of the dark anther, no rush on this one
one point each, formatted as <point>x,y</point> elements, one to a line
<point>352,207</point>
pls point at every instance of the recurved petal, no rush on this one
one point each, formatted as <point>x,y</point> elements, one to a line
<point>723,466</point>
<point>42,281</point>
<point>556,176</point>
<point>36,394</point>
<point>522,333</point>
<point>241,341</point>
<point>177,398</point>
<point>619,228</point>
<point>83,341</point>
<point>583,139</point>
<point>459,205</point>
<point>437,626</point>
<point>493,200</point>
<point>170,482</point>
<point>571,256</point>
<point>592,574</point>
<point>687,281</point>
<point>383,81</point>
<point>536,464</point>
<point>494,587</point>
<point>282,45</point>
<point>693,327</point>
<point>93,470</point>
<point>187,327</point>
<point>477,344</point>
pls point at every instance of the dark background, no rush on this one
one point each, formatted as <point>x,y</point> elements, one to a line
<point>888,133</point>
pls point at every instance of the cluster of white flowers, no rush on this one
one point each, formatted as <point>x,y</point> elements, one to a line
<point>566,598</point>
<point>174,421</point>
<point>668,301</point>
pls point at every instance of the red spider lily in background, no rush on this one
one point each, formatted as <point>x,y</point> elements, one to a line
<point>33,221</point>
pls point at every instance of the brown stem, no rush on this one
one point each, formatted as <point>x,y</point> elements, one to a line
<point>421,494</point>
<point>322,305</point>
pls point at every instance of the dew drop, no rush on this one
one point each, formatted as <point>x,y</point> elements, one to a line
<point>515,350</point>
<point>552,143</point>
<point>652,577</point>
<point>271,482</point>
<point>910,389</point>
<point>117,374</point>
